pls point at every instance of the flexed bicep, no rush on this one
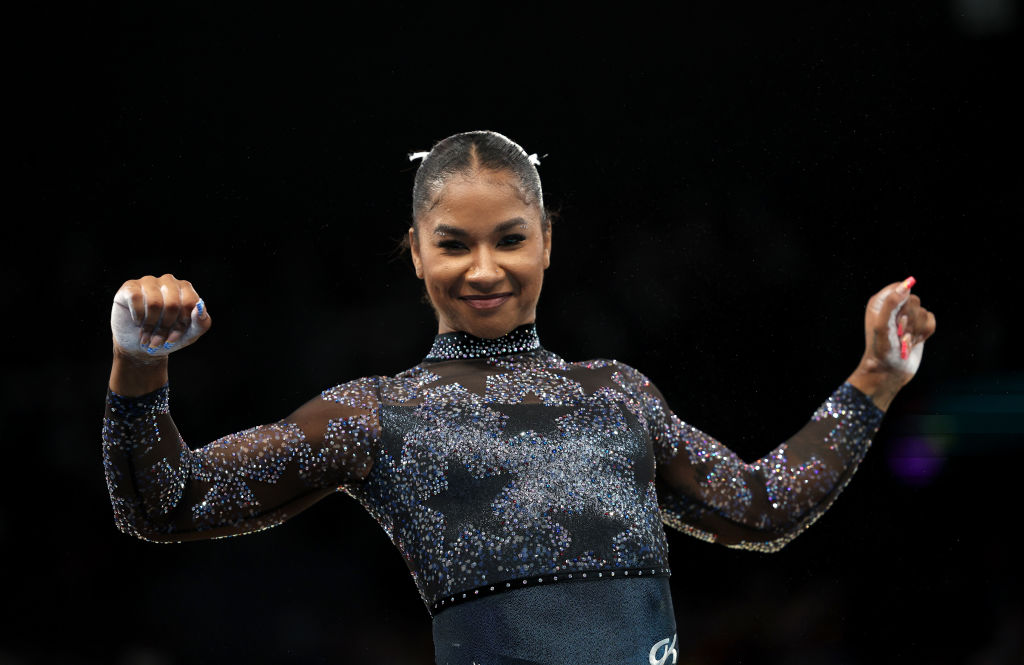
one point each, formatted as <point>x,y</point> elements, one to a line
<point>247,481</point>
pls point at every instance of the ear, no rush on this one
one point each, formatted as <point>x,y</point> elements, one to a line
<point>547,247</point>
<point>415,249</point>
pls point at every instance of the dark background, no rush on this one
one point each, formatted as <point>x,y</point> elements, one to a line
<point>733,183</point>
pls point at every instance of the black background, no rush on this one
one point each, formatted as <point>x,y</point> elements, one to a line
<point>733,183</point>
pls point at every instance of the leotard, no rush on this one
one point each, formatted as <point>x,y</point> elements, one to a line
<point>497,468</point>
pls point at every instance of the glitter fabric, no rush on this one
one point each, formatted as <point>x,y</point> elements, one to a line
<point>493,464</point>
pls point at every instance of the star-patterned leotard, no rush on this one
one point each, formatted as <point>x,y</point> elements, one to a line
<point>493,465</point>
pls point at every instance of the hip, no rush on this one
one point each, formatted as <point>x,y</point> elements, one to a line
<point>622,621</point>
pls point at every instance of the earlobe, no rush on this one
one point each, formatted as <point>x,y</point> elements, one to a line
<point>415,252</point>
<point>547,248</point>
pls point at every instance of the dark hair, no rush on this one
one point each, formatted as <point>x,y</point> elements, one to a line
<point>468,151</point>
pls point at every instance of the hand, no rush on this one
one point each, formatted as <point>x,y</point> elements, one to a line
<point>895,328</point>
<point>154,316</point>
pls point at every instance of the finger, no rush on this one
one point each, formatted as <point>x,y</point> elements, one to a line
<point>199,324</point>
<point>125,319</point>
<point>130,297</point>
<point>883,310</point>
<point>168,318</point>
<point>189,299</point>
<point>170,292</point>
<point>152,308</point>
<point>927,328</point>
<point>921,321</point>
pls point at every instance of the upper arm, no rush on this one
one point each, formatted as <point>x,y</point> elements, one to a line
<point>247,481</point>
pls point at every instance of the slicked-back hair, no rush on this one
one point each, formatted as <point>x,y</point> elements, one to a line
<point>471,151</point>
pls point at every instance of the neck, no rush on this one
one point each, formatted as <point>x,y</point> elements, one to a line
<point>461,344</point>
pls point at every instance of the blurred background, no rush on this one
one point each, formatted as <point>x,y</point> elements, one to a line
<point>733,184</point>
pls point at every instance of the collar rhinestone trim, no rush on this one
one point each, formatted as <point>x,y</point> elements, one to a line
<point>460,344</point>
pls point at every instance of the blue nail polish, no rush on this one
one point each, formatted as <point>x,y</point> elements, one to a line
<point>168,345</point>
<point>150,350</point>
<point>199,306</point>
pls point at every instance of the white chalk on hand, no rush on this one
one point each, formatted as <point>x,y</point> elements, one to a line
<point>126,326</point>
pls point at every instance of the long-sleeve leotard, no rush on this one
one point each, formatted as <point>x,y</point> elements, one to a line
<point>492,464</point>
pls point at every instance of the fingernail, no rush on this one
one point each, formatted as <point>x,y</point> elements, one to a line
<point>150,350</point>
<point>202,312</point>
<point>907,283</point>
<point>899,329</point>
<point>168,345</point>
<point>903,349</point>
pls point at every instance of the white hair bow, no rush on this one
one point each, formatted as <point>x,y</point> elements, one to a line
<point>413,156</point>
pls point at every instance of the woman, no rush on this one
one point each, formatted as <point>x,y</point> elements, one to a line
<point>526,493</point>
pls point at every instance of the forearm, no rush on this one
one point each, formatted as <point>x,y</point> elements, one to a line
<point>762,506</point>
<point>132,376</point>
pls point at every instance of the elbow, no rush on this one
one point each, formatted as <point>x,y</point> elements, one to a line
<point>132,520</point>
<point>771,541</point>
<point>763,546</point>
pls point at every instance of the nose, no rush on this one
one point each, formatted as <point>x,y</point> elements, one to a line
<point>485,273</point>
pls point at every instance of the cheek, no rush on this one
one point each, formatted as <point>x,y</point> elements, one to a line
<point>440,276</point>
<point>529,270</point>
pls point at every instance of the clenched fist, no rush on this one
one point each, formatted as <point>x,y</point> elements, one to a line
<point>154,316</point>
<point>895,329</point>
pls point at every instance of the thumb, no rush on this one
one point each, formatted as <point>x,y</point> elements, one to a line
<point>200,323</point>
<point>883,312</point>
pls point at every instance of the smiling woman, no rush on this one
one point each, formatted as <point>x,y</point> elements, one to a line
<point>528,494</point>
<point>480,238</point>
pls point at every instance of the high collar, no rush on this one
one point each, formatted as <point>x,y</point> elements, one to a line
<point>460,344</point>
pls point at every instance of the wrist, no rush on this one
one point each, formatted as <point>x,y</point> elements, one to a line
<point>132,375</point>
<point>877,381</point>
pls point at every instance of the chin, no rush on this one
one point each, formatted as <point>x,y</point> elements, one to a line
<point>488,329</point>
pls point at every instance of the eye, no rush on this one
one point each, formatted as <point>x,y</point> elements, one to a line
<point>451,244</point>
<point>513,239</point>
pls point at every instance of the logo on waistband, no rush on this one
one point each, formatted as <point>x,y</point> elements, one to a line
<point>654,659</point>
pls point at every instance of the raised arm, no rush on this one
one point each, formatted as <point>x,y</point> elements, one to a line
<point>706,490</point>
<point>163,491</point>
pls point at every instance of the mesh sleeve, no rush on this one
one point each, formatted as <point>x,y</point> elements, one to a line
<point>704,489</point>
<point>163,491</point>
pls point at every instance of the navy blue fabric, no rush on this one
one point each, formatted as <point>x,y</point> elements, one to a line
<point>611,622</point>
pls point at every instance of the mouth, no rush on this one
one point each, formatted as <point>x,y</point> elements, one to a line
<point>486,302</point>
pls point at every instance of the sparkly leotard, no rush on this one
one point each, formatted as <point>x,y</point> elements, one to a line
<point>493,465</point>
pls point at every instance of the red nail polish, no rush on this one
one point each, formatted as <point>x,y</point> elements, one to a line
<point>899,329</point>
<point>903,349</point>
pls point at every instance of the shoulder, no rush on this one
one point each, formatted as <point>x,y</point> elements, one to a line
<point>363,392</point>
<point>625,376</point>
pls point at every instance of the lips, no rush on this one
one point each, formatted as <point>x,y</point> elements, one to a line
<point>486,302</point>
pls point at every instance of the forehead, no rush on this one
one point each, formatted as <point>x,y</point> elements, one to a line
<point>479,199</point>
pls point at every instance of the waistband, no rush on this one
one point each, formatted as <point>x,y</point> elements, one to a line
<point>627,621</point>
<point>575,576</point>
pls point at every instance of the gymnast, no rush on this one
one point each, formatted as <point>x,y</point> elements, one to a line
<point>526,493</point>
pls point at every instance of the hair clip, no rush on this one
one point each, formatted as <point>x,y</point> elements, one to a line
<point>413,156</point>
<point>533,159</point>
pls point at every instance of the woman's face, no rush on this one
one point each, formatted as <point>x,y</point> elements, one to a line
<point>482,255</point>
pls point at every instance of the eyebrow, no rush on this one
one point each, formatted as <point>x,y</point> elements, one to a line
<point>446,229</point>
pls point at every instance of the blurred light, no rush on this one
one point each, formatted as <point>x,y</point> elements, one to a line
<point>984,17</point>
<point>916,460</point>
